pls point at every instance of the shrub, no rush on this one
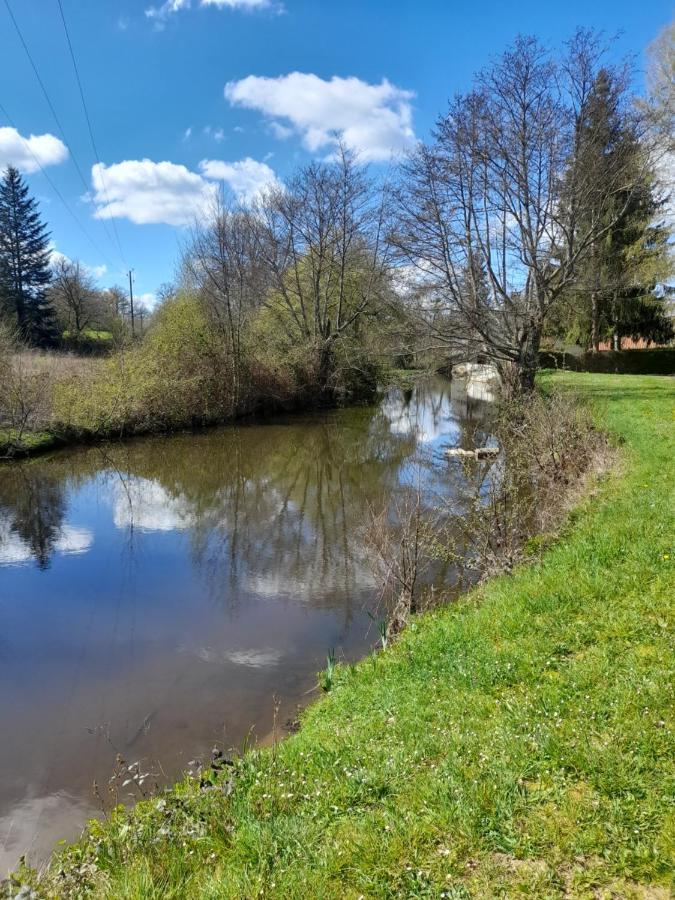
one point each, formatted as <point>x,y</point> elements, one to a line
<point>179,376</point>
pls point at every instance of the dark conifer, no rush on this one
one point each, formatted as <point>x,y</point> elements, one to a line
<point>24,261</point>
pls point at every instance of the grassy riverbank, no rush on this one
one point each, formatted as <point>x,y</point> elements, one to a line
<point>519,742</point>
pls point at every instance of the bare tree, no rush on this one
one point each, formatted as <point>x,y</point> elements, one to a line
<point>325,250</point>
<point>223,263</point>
<point>496,215</point>
<point>75,296</point>
<point>395,540</point>
<point>142,314</point>
<point>660,104</point>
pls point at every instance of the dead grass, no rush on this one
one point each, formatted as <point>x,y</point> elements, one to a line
<point>56,365</point>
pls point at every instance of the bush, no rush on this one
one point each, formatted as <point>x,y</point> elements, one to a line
<point>178,377</point>
<point>547,447</point>
<point>351,372</point>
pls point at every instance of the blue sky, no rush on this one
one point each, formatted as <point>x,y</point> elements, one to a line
<point>185,94</point>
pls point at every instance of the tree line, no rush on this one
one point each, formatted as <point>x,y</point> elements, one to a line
<point>535,212</point>
<point>47,299</point>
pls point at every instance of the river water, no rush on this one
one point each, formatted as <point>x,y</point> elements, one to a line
<point>164,595</point>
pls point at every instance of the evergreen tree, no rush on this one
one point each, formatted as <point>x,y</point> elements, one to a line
<point>618,291</point>
<point>24,261</point>
<point>638,266</point>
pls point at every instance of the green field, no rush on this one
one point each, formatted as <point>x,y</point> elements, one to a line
<point>517,743</point>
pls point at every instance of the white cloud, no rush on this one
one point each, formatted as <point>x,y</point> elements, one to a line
<point>281,132</point>
<point>160,13</point>
<point>374,119</point>
<point>236,4</point>
<point>24,153</point>
<point>246,177</point>
<point>148,299</point>
<point>187,133</point>
<point>219,135</point>
<point>148,192</point>
<point>170,6</point>
<point>55,257</point>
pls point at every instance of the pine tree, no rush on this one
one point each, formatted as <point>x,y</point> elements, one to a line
<point>618,291</point>
<point>24,261</point>
<point>638,267</point>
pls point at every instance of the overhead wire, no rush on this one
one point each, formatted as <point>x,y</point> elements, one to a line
<point>58,193</point>
<point>89,126</point>
<point>61,129</point>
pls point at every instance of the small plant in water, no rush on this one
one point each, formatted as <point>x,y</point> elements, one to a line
<point>326,677</point>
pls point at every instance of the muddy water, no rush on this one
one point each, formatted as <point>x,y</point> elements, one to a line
<point>157,596</point>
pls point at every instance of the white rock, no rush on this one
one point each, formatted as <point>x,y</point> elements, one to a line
<point>478,453</point>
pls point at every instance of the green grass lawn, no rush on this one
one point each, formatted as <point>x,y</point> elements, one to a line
<point>517,743</point>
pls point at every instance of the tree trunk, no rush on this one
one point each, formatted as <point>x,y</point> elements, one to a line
<point>595,314</point>
<point>616,340</point>
<point>325,368</point>
<point>528,362</point>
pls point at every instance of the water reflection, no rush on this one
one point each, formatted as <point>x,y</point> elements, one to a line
<point>169,587</point>
<point>32,507</point>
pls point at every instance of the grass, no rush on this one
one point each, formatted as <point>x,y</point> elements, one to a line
<point>56,365</point>
<point>90,334</point>
<point>29,443</point>
<point>517,743</point>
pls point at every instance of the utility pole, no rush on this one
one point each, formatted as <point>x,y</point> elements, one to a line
<point>131,303</point>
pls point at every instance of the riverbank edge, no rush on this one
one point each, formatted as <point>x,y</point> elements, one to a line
<point>40,442</point>
<point>517,741</point>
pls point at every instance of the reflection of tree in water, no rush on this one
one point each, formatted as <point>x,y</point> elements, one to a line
<point>273,510</point>
<point>277,510</point>
<point>33,504</point>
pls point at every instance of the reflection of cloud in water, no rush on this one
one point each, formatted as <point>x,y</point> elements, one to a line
<point>313,577</point>
<point>73,540</point>
<point>14,550</point>
<point>425,419</point>
<point>37,823</point>
<point>254,658</point>
<point>145,505</point>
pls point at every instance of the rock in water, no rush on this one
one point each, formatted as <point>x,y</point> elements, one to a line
<point>478,453</point>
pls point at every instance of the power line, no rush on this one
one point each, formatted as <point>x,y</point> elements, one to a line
<point>55,189</point>
<point>89,127</point>
<point>55,115</point>
<point>46,94</point>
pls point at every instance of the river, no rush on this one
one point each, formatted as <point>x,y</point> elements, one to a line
<point>165,595</point>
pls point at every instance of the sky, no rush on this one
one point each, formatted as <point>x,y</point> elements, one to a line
<point>185,95</point>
